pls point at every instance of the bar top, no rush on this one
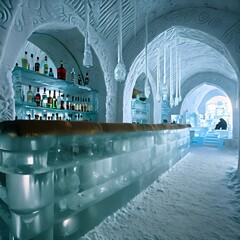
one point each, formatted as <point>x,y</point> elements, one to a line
<point>38,128</point>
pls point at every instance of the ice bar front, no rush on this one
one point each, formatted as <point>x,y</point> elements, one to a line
<point>59,179</point>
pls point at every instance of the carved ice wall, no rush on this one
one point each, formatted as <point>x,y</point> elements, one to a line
<point>19,19</point>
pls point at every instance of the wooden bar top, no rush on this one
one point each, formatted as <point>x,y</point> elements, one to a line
<point>36,128</point>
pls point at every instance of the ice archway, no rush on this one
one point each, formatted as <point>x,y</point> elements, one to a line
<point>195,101</point>
<point>200,53</point>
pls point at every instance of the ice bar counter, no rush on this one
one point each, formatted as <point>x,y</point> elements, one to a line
<point>59,179</point>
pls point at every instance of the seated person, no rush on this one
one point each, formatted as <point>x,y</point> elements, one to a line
<point>221,125</point>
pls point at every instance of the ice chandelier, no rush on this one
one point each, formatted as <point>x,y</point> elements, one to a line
<point>87,59</point>
<point>120,70</point>
<point>147,88</point>
<point>165,87</point>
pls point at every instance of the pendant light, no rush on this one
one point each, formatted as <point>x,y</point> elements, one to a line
<point>171,100</point>
<point>147,88</point>
<point>179,79</point>
<point>177,74</point>
<point>87,59</point>
<point>120,70</point>
<point>158,94</point>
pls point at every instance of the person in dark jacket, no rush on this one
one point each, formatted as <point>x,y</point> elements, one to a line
<point>222,124</point>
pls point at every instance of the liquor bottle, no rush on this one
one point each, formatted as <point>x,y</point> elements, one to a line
<point>30,95</point>
<point>25,61</point>
<point>31,63</point>
<point>68,102</point>
<point>72,76</point>
<point>62,102</point>
<point>45,66</point>
<point>80,104</point>
<point>86,80</point>
<point>89,105</point>
<point>50,73</point>
<point>79,80</point>
<point>61,72</point>
<point>80,118</point>
<point>37,65</point>
<point>76,104</point>
<point>18,93</point>
<point>59,100</point>
<point>49,100</point>
<point>38,98</point>
<point>54,100</point>
<point>72,104</point>
<point>44,98</point>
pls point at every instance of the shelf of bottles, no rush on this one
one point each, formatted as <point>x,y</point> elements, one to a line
<point>42,97</point>
<point>140,111</point>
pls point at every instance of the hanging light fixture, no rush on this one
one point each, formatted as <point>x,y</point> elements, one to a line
<point>165,59</point>
<point>120,70</point>
<point>147,88</point>
<point>171,100</point>
<point>179,78</point>
<point>87,59</point>
<point>177,73</point>
<point>158,94</point>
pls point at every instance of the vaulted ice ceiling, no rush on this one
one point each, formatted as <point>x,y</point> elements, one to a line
<point>197,56</point>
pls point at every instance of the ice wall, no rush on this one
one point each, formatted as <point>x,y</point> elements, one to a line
<point>50,183</point>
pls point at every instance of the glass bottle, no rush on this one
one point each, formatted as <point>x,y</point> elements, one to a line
<point>31,63</point>
<point>37,65</point>
<point>85,105</point>
<point>30,95</point>
<point>61,72</point>
<point>89,105</point>
<point>86,80</point>
<point>45,66</point>
<point>72,76</point>
<point>50,73</point>
<point>68,102</point>
<point>59,100</point>
<point>62,102</point>
<point>76,104</point>
<point>49,100</point>
<point>54,100</point>
<point>44,98</point>
<point>72,104</point>
<point>80,118</point>
<point>18,92</point>
<point>25,61</point>
<point>79,79</point>
<point>80,104</point>
<point>38,98</point>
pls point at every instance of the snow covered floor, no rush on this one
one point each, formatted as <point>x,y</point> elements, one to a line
<point>198,199</point>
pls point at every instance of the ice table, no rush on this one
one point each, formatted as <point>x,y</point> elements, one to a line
<point>59,179</point>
